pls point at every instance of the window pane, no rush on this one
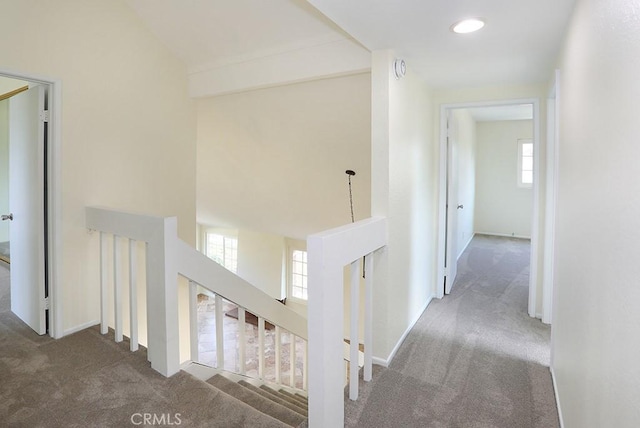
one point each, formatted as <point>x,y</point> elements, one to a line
<point>298,275</point>
<point>231,254</point>
<point>215,247</point>
<point>222,250</point>
<point>527,177</point>
<point>298,292</point>
<point>527,163</point>
<point>527,149</point>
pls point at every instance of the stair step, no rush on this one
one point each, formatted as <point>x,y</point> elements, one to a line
<point>287,396</point>
<point>274,397</point>
<point>229,410</point>
<point>258,401</point>
<point>296,397</point>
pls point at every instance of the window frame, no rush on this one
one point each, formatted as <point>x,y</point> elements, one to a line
<point>521,142</point>
<point>291,247</point>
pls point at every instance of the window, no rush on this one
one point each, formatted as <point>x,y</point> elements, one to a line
<point>525,163</point>
<point>298,275</point>
<point>223,250</point>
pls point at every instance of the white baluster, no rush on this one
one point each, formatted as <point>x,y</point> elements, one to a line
<point>261,347</point>
<point>242,341</point>
<point>117,289</point>
<point>278,355</point>
<point>305,365</point>
<point>133,296</point>
<point>104,322</point>
<point>292,377</point>
<point>354,327</point>
<point>368,319</point>
<point>193,321</point>
<point>219,334</point>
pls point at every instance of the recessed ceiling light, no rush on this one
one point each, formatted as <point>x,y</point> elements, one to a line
<point>467,26</point>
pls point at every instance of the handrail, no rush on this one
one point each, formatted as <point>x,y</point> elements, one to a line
<point>198,268</point>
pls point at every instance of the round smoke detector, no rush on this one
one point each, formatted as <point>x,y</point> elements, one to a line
<point>399,68</point>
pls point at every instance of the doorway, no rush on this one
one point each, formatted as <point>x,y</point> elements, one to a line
<point>28,198</point>
<point>457,216</point>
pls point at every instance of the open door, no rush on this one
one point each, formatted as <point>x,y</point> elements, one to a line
<point>451,250</point>
<point>27,139</point>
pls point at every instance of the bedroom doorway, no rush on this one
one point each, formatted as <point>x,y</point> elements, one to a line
<point>24,190</point>
<point>452,206</point>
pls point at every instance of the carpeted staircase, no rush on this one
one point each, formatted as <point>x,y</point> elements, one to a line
<point>290,409</point>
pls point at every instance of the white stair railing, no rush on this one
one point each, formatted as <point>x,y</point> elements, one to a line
<point>328,253</point>
<point>202,271</point>
<point>167,257</point>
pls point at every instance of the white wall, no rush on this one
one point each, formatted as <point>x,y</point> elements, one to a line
<point>463,136</point>
<point>596,330</point>
<point>260,260</point>
<point>274,160</point>
<point>502,207</point>
<point>404,189</point>
<point>128,126</point>
<point>4,168</point>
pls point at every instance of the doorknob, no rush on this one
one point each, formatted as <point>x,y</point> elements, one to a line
<point>7,217</point>
<point>460,207</point>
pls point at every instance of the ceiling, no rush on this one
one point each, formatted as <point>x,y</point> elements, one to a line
<point>519,44</point>
<point>211,33</point>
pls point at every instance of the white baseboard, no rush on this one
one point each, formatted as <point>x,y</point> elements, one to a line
<point>386,361</point>
<point>80,327</point>
<point>555,391</point>
<point>505,235</point>
<point>464,247</point>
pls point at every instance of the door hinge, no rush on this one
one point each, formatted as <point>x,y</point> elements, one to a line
<point>44,115</point>
<point>46,303</point>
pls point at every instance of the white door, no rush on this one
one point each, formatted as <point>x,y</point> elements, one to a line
<point>452,206</point>
<point>26,202</point>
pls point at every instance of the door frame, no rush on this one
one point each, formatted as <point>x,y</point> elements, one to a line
<point>553,137</point>
<point>442,232</point>
<point>54,193</point>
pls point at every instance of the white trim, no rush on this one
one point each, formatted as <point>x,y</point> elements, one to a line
<point>54,192</point>
<point>553,122</point>
<point>464,247</point>
<point>386,362</point>
<point>555,391</point>
<point>535,217</point>
<point>504,235</point>
<point>81,327</point>
<point>533,276</point>
<point>442,201</point>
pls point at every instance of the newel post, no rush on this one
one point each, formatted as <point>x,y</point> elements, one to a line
<point>325,333</point>
<point>162,300</point>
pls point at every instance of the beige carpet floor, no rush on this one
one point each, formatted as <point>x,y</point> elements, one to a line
<point>474,358</point>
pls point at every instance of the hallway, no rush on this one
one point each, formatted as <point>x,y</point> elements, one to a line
<point>474,358</point>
